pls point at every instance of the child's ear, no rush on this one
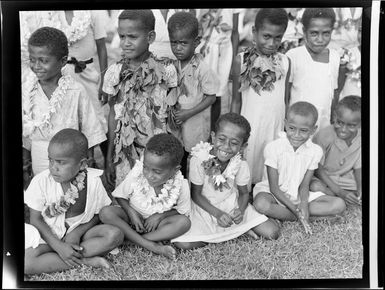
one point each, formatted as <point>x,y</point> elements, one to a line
<point>177,168</point>
<point>64,60</point>
<point>151,36</point>
<point>197,41</point>
<point>243,147</point>
<point>212,136</point>
<point>83,163</point>
<point>315,127</point>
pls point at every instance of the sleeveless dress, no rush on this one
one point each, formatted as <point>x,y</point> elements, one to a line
<point>266,114</point>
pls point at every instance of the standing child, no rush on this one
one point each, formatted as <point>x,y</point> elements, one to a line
<point>64,203</point>
<point>219,178</point>
<point>290,162</point>
<point>140,88</point>
<point>198,83</point>
<point>154,198</point>
<point>314,67</point>
<point>340,169</point>
<point>264,80</point>
<point>53,101</point>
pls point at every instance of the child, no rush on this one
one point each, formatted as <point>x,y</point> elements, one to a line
<point>290,162</point>
<point>154,198</point>
<point>314,67</point>
<point>219,178</point>
<point>140,88</point>
<point>263,79</point>
<point>340,169</point>
<point>198,82</point>
<point>53,101</point>
<point>64,203</point>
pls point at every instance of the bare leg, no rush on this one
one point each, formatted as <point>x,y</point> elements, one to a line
<point>169,228</point>
<point>116,216</point>
<point>326,206</point>
<point>189,245</point>
<point>265,204</point>
<point>268,229</point>
<point>43,259</point>
<point>318,185</point>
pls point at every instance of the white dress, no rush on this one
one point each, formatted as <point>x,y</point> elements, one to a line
<point>266,114</point>
<point>204,227</point>
<point>161,46</point>
<point>314,82</point>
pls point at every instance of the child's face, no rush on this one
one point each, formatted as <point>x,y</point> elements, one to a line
<point>268,38</point>
<point>228,140</point>
<point>347,123</point>
<point>44,64</point>
<point>134,39</point>
<point>157,169</point>
<point>318,34</point>
<point>299,129</point>
<point>182,44</point>
<point>63,165</point>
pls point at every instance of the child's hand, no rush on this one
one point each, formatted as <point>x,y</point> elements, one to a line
<point>70,254</point>
<point>181,116</point>
<point>137,221</point>
<point>236,215</point>
<point>72,238</point>
<point>224,220</point>
<point>303,217</point>
<point>152,223</point>
<point>350,197</point>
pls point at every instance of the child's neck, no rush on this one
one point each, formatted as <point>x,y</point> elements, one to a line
<point>186,61</point>
<point>223,165</point>
<point>50,85</point>
<point>350,140</point>
<point>136,62</point>
<point>261,53</point>
<point>322,56</point>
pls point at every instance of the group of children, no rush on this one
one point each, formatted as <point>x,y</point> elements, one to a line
<point>170,186</point>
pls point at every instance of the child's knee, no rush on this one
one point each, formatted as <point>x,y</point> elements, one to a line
<point>339,205</point>
<point>316,185</point>
<point>107,214</point>
<point>271,231</point>
<point>114,236</point>
<point>184,222</point>
<point>261,204</point>
<point>29,261</point>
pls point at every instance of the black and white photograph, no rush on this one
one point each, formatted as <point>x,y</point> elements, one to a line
<point>199,144</point>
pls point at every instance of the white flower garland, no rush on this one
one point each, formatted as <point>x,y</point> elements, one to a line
<point>57,208</point>
<point>220,180</point>
<point>55,102</point>
<point>169,193</point>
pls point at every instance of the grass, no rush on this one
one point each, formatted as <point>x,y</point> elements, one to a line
<point>334,250</point>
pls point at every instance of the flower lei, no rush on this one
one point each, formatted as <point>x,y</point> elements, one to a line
<point>57,208</point>
<point>354,70</point>
<point>212,166</point>
<point>260,71</point>
<point>78,28</point>
<point>169,193</point>
<point>55,102</point>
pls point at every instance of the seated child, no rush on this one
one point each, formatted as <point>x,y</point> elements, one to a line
<point>198,82</point>
<point>154,198</point>
<point>64,203</point>
<point>220,210</point>
<point>53,101</point>
<point>290,162</point>
<point>141,89</point>
<point>339,171</point>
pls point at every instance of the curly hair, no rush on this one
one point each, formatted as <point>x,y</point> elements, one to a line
<point>184,21</point>
<point>75,139</point>
<point>311,13</point>
<point>166,144</point>
<point>351,102</point>
<point>235,119</point>
<point>145,16</point>
<point>55,40</point>
<point>275,16</point>
<point>304,109</point>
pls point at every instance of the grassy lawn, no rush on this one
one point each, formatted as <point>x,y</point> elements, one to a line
<point>334,250</point>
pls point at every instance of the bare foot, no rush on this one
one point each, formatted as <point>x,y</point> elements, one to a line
<point>167,251</point>
<point>252,234</point>
<point>97,262</point>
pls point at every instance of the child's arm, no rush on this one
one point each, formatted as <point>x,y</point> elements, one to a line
<point>152,222</point>
<point>76,234</point>
<point>303,192</point>
<point>288,86</point>
<point>223,219</point>
<point>358,177</point>
<point>102,56</point>
<point>183,115</point>
<point>135,218</point>
<point>69,253</point>
<point>109,172</point>
<point>27,168</point>
<point>243,199</point>
<point>236,102</point>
